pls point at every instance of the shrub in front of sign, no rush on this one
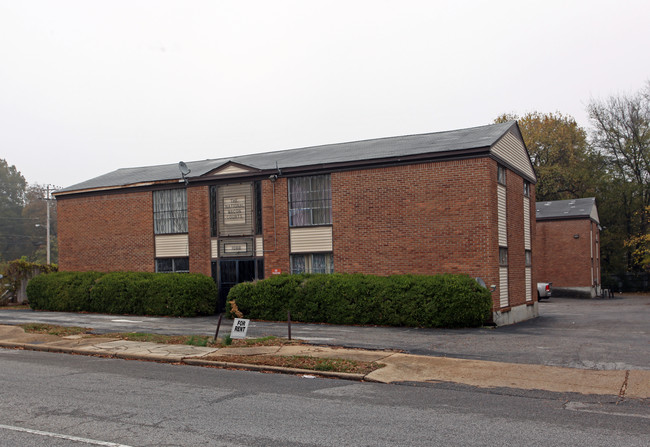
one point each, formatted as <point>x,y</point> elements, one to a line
<point>269,295</point>
<point>135,293</point>
<point>399,300</point>
<point>61,291</point>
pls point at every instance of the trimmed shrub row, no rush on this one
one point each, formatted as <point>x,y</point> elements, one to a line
<point>399,300</point>
<point>135,293</point>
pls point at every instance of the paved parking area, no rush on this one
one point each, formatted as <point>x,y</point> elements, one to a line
<point>598,334</point>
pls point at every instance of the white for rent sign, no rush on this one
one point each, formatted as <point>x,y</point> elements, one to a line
<point>239,328</point>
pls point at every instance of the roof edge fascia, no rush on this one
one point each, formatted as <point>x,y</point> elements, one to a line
<point>116,187</point>
<point>580,217</point>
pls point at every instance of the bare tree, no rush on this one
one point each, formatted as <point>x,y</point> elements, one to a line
<point>622,134</point>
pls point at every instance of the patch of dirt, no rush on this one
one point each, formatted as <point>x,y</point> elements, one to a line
<point>302,362</point>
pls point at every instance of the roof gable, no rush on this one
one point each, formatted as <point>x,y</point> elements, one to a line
<point>511,149</point>
<point>229,168</point>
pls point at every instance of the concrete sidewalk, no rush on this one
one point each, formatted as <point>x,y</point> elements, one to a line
<point>399,367</point>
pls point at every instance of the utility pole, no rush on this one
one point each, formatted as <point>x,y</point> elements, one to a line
<point>47,226</point>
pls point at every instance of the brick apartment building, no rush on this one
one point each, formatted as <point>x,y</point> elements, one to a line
<point>567,247</point>
<point>446,202</point>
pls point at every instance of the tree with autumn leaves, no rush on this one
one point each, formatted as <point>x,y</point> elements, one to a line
<point>564,162</point>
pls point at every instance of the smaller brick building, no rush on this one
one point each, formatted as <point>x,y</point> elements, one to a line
<point>446,202</point>
<point>567,247</point>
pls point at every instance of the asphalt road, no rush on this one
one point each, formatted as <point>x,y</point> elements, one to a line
<point>62,400</point>
<point>589,334</point>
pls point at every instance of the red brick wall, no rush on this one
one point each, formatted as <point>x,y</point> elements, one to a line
<point>560,258</point>
<point>198,225</point>
<point>515,220</point>
<point>106,232</point>
<point>424,218</point>
<point>596,253</point>
<point>516,243</point>
<point>275,225</point>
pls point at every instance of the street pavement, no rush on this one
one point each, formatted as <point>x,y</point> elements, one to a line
<point>399,367</point>
<point>596,347</point>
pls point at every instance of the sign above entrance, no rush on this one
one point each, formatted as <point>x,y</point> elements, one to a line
<point>236,247</point>
<point>234,210</point>
<point>232,249</point>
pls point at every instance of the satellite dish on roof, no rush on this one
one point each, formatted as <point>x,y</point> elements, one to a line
<point>184,170</point>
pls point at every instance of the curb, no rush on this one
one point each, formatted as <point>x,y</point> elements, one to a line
<point>188,361</point>
<point>267,368</point>
<point>81,351</point>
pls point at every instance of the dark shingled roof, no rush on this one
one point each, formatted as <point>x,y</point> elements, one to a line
<point>567,209</point>
<point>382,148</point>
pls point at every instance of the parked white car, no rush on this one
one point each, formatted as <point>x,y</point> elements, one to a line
<point>544,290</point>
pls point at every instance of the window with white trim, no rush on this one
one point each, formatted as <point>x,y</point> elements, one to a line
<point>312,263</point>
<point>310,201</point>
<point>170,211</point>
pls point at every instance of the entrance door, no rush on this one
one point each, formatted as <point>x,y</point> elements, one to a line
<point>234,271</point>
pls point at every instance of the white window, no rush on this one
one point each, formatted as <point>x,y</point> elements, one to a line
<point>170,211</point>
<point>312,263</point>
<point>310,201</point>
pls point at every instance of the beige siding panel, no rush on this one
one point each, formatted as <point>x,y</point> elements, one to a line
<point>214,248</point>
<point>235,209</point>
<point>232,169</point>
<point>503,286</point>
<point>171,246</point>
<point>511,149</point>
<point>259,246</point>
<point>527,223</point>
<point>529,284</point>
<point>311,239</point>
<point>502,220</point>
<point>594,215</point>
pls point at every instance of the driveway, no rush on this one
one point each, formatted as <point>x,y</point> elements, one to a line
<point>588,334</point>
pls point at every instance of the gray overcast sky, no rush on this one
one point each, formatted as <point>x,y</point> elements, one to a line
<point>87,87</point>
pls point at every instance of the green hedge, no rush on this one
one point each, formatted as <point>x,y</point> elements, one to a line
<point>399,300</point>
<point>135,293</point>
